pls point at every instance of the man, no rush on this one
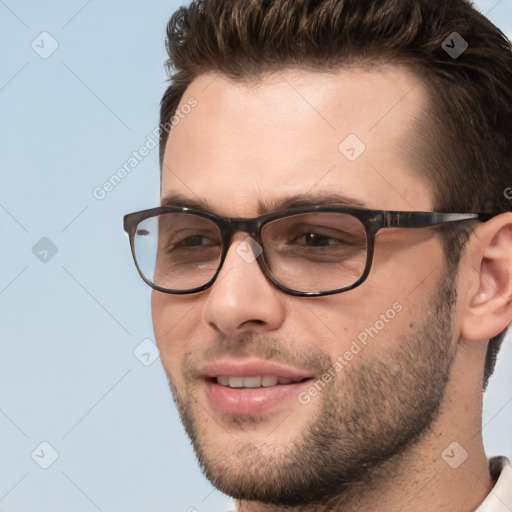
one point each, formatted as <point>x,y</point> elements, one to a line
<point>326,350</point>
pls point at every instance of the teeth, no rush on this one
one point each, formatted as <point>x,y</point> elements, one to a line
<point>223,381</point>
<point>257,381</point>
<point>236,382</point>
<point>251,382</point>
<point>269,380</point>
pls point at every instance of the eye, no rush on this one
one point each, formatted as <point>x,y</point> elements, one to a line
<point>318,240</point>
<point>197,240</point>
<point>188,239</point>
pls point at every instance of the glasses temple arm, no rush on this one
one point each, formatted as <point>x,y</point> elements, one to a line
<point>426,219</point>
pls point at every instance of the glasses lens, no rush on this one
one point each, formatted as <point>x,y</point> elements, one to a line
<point>178,251</point>
<point>315,252</point>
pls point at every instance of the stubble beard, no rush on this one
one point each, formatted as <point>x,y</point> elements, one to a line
<point>377,408</point>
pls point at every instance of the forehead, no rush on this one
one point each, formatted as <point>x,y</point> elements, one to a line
<point>249,144</point>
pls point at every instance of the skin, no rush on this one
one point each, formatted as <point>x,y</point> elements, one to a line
<point>262,141</point>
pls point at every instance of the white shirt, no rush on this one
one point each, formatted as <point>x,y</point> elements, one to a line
<point>500,497</point>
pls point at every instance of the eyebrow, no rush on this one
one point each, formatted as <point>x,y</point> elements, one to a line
<point>293,201</point>
<point>178,199</point>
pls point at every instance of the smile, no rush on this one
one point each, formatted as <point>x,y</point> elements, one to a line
<point>258,381</point>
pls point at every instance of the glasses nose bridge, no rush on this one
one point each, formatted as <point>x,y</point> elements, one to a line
<point>240,225</point>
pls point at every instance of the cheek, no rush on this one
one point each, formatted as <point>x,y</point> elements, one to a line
<point>174,323</point>
<point>388,306</point>
<point>353,322</point>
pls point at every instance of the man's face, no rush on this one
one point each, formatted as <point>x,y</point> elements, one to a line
<point>386,345</point>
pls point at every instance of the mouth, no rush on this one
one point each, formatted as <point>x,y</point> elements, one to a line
<point>258,381</point>
<point>252,387</point>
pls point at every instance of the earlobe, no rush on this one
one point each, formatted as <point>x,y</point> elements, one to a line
<point>488,310</point>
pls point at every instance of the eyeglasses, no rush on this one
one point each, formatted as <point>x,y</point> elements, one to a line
<point>310,251</point>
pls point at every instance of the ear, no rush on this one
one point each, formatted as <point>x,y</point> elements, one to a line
<point>488,306</point>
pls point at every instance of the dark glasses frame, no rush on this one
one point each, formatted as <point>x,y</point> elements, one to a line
<point>372,220</point>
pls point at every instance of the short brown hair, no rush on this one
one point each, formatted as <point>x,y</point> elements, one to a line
<point>464,149</point>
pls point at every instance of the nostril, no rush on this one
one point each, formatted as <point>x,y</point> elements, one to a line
<point>255,321</point>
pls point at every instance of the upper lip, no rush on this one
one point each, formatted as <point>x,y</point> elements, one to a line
<point>251,368</point>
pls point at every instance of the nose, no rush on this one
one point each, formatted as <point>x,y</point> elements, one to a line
<point>242,297</point>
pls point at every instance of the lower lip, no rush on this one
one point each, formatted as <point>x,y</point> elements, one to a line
<point>250,401</point>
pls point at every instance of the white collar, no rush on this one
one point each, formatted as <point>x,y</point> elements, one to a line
<point>500,497</point>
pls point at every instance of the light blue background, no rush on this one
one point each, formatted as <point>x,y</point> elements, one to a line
<point>69,326</point>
